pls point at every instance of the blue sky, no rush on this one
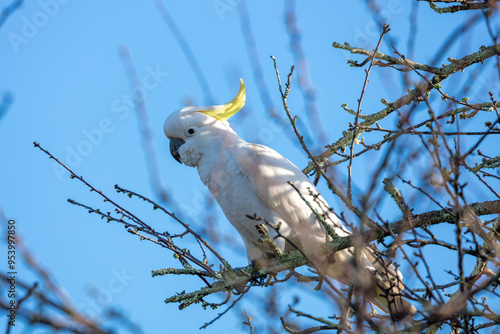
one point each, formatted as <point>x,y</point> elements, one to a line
<point>60,61</point>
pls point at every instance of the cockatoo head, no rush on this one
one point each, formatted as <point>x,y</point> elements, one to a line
<point>194,131</point>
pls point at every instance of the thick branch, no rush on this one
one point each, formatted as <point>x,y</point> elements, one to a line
<point>389,59</point>
<point>413,95</point>
<point>238,277</point>
<point>463,5</point>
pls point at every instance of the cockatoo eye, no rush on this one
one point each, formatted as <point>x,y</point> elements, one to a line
<point>190,131</point>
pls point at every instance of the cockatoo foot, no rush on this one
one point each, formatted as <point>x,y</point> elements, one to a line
<point>264,260</point>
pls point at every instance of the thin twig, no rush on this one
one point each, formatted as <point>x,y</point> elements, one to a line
<point>385,30</point>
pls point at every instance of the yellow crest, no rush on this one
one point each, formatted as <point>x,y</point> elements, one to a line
<point>225,111</point>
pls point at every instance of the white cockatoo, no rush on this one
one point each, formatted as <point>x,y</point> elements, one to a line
<point>249,180</point>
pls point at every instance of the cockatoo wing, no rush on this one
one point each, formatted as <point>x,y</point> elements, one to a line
<point>268,174</point>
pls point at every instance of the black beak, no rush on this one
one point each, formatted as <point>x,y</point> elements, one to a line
<point>175,144</point>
